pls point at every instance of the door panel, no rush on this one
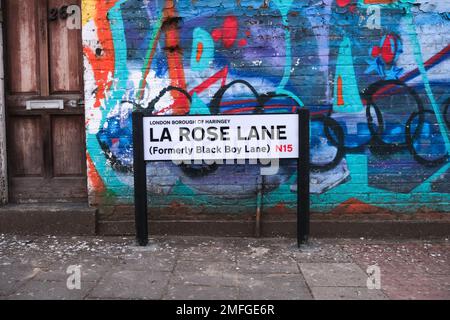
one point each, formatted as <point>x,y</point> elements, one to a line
<point>65,54</point>
<point>68,139</point>
<point>25,150</point>
<point>46,149</point>
<point>21,36</point>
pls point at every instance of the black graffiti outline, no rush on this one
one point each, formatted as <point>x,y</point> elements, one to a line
<point>329,122</point>
<point>377,144</point>
<point>329,125</point>
<point>214,106</point>
<point>332,129</point>
<point>115,162</point>
<point>410,140</point>
<point>162,93</point>
<point>381,147</point>
<point>446,112</point>
<point>262,101</point>
<point>191,170</point>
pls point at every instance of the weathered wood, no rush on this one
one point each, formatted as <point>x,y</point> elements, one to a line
<point>65,55</point>
<point>24,147</point>
<point>3,171</point>
<point>68,139</point>
<point>22,44</point>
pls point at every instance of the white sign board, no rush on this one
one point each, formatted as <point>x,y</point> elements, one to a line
<point>235,137</point>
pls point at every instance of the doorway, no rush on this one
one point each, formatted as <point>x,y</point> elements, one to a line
<point>44,103</point>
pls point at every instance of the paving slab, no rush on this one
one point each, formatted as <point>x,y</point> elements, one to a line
<point>50,290</point>
<point>205,266</point>
<point>91,270</point>
<point>417,287</point>
<point>221,273</point>
<point>127,284</point>
<point>206,277</point>
<point>317,251</point>
<point>333,275</point>
<point>347,293</point>
<point>8,287</point>
<point>198,292</point>
<point>164,262</point>
<point>249,265</point>
<point>201,253</point>
<point>273,287</point>
<point>13,276</point>
<point>266,259</point>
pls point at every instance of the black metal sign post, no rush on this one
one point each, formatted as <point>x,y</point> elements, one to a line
<point>140,178</point>
<point>303,178</point>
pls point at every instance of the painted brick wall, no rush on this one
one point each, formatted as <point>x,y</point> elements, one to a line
<point>374,73</point>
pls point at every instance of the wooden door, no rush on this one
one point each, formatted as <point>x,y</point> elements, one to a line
<point>46,147</point>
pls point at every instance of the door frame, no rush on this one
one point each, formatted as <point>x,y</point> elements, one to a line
<point>3,159</point>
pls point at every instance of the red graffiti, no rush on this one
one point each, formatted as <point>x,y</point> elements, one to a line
<point>221,75</point>
<point>343,3</point>
<point>217,34</point>
<point>352,7</point>
<point>228,33</point>
<point>148,66</point>
<point>242,42</point>
<point>388,49</point>
<point>376,51</point>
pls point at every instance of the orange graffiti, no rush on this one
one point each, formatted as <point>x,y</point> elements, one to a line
<point>94,177</point>
<point>355,206</point>
<point>199,51</point>
<point>102,62</point>
<point>340,92</point>
<point>174,55</point>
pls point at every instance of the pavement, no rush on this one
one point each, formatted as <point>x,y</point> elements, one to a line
<point>197,268</point>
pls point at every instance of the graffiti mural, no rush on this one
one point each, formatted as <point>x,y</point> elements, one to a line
<point>374,74</point>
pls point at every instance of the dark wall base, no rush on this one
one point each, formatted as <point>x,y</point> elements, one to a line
<point>77,219</point>
<point>63,219</point>
<point>319,228</point>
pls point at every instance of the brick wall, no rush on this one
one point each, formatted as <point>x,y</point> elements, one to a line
<point>374,73</point>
